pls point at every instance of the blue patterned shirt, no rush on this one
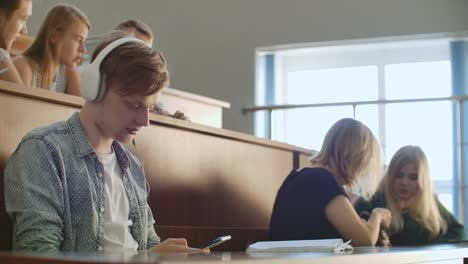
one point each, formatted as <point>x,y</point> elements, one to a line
<point>54,192</point>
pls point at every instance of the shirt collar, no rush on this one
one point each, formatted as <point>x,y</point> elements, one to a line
<point>84,148</point>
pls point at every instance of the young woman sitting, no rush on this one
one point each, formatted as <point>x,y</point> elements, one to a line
<point>58,47</point>
<point>417,215</point>
<point>312,203</point>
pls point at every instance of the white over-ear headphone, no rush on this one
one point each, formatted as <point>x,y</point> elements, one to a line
<point>92,81</point>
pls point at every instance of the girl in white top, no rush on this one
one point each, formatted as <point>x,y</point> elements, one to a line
<point>60,41</point>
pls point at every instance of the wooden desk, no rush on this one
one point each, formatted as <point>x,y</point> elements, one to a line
<point>200,109</point>
<point>443,254</point>
<point>205,182</point>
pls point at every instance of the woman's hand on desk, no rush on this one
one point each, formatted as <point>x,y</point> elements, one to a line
<point>177,245</point>
<point>386,218</point>
<point>384,239</point>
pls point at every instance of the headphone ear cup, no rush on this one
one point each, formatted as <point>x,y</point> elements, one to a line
<point>89,82</point>
<point>102,86</point>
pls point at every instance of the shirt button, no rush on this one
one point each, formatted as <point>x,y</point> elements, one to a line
<point>99,248</point>
<point>100,174</point>
<point>102,209</point>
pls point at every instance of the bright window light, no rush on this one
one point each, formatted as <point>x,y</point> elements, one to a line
<point>418,80</point>
<point>332,85</point>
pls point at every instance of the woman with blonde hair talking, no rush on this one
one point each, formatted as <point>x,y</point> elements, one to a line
<point>417,215</point>
<point>59,46</point>
<point>312,202</point>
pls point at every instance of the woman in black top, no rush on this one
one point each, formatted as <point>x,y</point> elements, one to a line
<point>312,202</point>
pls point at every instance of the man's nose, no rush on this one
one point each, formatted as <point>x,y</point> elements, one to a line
<point>143,118</point>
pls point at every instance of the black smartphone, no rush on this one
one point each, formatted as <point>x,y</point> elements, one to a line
<point>216,242</point>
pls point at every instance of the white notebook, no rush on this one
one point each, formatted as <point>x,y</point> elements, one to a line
<point>330,245</point>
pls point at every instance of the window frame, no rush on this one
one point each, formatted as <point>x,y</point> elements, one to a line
<point>380,55</point>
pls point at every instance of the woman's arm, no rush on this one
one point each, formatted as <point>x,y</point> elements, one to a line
<point>8,70</point>
<point>24,70</point>
<point>341,213</point>
<point>72,80</point>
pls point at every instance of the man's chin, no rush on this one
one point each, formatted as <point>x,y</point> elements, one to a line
<point>124,139</point>
<point>10,44</point>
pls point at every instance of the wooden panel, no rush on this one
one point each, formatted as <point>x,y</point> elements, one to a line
<point>199,109</point>
<point>201,180</point>
<point>304,159</point>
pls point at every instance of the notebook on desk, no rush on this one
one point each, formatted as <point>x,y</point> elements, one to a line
<point>329,245</point>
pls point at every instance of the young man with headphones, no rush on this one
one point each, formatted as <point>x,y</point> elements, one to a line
<point>71,186</point>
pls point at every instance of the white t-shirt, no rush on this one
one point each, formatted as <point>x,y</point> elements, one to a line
<point>117,236</point>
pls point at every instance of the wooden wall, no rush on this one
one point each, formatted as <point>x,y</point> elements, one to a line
<point>205,181</point>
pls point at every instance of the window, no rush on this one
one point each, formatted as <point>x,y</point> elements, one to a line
<point>371,72</point>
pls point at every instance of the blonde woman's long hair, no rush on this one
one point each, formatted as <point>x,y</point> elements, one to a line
<point>42,51</point>
<point>354,153</point>
<point>423,208</point>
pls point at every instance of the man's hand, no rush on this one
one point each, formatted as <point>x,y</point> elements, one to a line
<point>177,115</point>
<point>180,115</point>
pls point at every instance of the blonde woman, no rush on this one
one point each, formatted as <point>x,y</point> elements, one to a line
<point>59,46</point>
<point>312,202</point>
<point>418,216</point>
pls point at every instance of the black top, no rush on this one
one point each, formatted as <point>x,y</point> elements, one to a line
<point>299,210</point>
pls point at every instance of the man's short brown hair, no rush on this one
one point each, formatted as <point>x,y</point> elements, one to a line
<point>133,63</point>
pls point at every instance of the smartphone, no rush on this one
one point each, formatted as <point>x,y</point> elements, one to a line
<point>216,242</point>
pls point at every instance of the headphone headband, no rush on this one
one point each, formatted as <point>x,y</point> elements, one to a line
<point>92,81</point>
<point>104,52</point>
